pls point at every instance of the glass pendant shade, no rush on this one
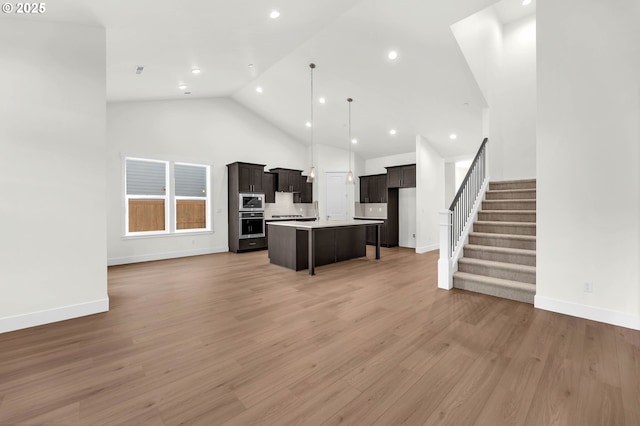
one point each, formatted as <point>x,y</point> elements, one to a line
<point>350,177</point>
<point>312,174</point>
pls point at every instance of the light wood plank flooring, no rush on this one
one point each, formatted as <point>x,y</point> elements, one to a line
<point>229,339</point>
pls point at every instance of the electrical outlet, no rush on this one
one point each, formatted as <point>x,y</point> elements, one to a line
<point>380,209</point>
<point>414,235</point>
<point>588,287</point>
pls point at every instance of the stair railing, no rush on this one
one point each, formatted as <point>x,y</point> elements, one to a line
<point>456,222</point>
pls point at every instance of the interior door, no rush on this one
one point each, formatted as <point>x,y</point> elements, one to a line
<point>337,196</point>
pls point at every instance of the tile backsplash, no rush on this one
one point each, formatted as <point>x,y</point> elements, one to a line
<point>377,210</point>
<point>284,205</point>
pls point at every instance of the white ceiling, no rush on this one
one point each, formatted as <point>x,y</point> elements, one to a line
<point>428,90</point>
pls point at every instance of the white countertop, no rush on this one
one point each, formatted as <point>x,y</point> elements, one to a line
<point>326,224</point>
<point>290,218</point>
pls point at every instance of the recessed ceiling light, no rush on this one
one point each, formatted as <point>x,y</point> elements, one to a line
<point>526,2</point>
<point>322,100</point>
<point>182,87</point>
<point>195,71</point>
<point>453,136</point>
<point>354,140</point>
<point>392,132</point>
<point>250,65</point>
<point>274,14</point>
<point>308,124</point>
<point>393,55</point>
<point>259,89</point>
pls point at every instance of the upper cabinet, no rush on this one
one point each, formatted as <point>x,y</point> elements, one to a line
<point>247,177</point>
<point>269,187</point>
<point>373,189</point>
<point>288,180</point>
<point>306,192</point>
<point>401,176</point>
<point>250,177</point>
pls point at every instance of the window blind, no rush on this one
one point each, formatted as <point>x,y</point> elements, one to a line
<point>146,177</point>
<point>190,180</point>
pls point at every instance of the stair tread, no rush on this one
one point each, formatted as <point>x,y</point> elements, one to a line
<point>509,200</point>
<point>498,265</point>
<point>501,282</point>
<point>497,222</point>
<point>507,236</point>
<point>501,249</point>
<point>512,190</point>
<point>514,181</point>
<point>508,211</point>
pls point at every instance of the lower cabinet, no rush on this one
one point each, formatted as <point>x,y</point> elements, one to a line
<point>252,244</point>
<point>388,238</point>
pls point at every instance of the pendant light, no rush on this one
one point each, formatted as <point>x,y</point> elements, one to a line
<point>350,174</point>
<point>312,170</point>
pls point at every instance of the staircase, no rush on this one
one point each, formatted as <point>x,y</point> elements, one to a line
<point>500,259</point>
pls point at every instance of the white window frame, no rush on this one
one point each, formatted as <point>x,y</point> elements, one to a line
<point>170,200</point>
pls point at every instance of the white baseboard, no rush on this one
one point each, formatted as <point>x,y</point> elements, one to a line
<point>593,313</point>
<point>33,319</point>
<point>163,256</point>
<point>430,247</point>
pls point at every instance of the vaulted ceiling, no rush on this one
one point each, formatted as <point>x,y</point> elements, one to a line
<point>427,90</point>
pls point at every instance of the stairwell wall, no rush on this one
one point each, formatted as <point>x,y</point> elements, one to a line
<point>588,160</point>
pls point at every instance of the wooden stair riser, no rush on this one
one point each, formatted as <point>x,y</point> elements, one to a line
<point>498,241</point>
<point>497,256</point>
<point>509,205</point>
<point>528,194</point>
<point>505,273</point>
<point>518,184</point>
<point>493,290</point>
<point>507,216</point>
<point>504,228</point>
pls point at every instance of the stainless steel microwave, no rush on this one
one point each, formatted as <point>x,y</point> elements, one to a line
<point>251,202</point>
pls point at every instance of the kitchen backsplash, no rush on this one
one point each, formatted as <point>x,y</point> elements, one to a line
<point>284,205</point>
<point>376,210</point>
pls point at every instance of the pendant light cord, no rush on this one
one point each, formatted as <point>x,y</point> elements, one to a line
<point>350,100</point>
<point>312,66</point>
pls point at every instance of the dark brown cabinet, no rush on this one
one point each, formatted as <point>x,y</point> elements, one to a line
<point>401,176</point>
<point>306,192</point>
<point>250,177</point>
<point>373,189</point>
<point>242,177</point>
<point>269,187</point>
<point>288,180</point>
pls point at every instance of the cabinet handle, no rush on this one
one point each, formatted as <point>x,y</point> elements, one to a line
<point>252,244</point>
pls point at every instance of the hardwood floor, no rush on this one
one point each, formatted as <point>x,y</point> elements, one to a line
<point>229,339</point>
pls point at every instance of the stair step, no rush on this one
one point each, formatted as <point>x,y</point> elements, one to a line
<point>501,254</point>
<point>507,215</point>
<point>513,204</point>
<point>511,194</point>
<point>514,228</point>
<point>526,242</point>
<point>506,271</point>
<point>507,289</point>
<point>513,184</point>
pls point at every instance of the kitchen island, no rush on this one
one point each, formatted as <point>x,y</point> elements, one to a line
<point>305,245</point>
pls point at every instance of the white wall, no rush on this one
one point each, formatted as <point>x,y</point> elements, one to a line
<point>589,159</point>
<point>374,166</point>
<point>52,127</point>
<point>502,60</point>
<point>215,131</point>
<point>430,195</point>
<point>512,136</point>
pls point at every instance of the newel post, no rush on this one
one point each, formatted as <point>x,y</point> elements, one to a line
<point>445,275</point>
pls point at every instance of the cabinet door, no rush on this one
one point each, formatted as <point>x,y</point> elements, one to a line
<point>394,177</point>
<point>307,190</point>
<point>295,180</point>
<point>380,194</point>
<point>244,178</point>
<point>256,179</point>
<point>364,189</point>
<point>409,176</point>
<point>268,185</point>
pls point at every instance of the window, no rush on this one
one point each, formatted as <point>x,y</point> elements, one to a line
<point>163,197</point>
